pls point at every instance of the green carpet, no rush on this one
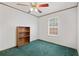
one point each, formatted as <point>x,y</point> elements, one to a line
<point>40,48</point>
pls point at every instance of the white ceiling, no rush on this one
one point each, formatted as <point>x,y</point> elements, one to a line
<point>53,6</point>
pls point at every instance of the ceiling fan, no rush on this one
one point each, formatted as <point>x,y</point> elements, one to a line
<point>35,6</point>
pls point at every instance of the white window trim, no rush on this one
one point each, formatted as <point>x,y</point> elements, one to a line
<point>53,27</point>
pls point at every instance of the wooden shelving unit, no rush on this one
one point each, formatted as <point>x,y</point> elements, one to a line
<point>22,36</point>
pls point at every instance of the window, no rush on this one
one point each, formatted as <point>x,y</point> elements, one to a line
<point>53,26</point>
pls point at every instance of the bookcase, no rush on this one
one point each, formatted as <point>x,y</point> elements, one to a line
<point>22,36</point>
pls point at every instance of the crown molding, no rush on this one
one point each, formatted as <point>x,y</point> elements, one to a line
<point>17,9</point>
<point>58,11</point>
<point>41,15</point>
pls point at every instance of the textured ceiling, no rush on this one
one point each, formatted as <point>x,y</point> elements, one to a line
<point>53,6</point>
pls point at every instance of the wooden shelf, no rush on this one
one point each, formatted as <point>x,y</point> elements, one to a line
<point>23,36</point>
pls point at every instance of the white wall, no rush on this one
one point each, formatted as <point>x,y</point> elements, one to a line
<point>9,20</point>
<point>67,31</point>
<point>78,29</point>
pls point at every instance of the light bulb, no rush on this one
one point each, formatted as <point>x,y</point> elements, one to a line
<point>31,9</point>
<point>36,10</point>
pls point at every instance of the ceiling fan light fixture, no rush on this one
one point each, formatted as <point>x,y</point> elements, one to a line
<point>31,9</point>
<point>36,10</point>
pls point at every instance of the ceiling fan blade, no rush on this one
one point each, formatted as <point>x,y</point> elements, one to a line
<point>42,5</point>
<point>22,4</point>
<point>39,11</point>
